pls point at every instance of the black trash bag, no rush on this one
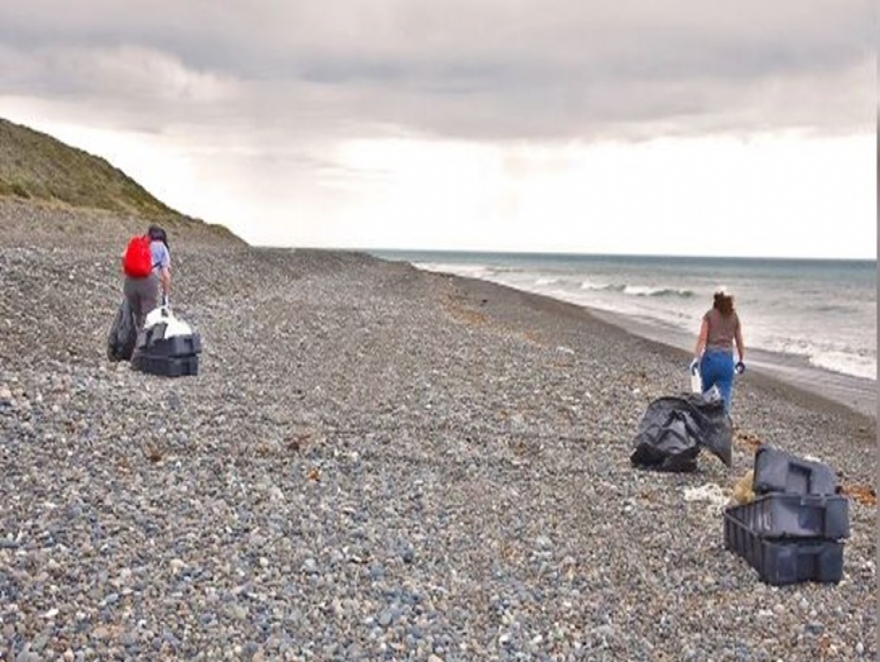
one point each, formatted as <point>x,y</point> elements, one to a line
<point>123,334</point>
<point>675,428</point>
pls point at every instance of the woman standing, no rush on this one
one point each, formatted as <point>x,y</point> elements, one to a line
<point>714,352</point>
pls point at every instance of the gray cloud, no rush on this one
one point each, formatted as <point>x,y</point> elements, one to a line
<point>556,70</point>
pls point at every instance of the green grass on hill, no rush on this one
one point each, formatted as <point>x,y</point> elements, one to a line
<point>35,166</point>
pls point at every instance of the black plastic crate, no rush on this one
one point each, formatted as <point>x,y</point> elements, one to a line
<point>778,471</point>
<point>175,346</point>
<point>781,561</point>
<point>779,515</point>
<point>167,366</point>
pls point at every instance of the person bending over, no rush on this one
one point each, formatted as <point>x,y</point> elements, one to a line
<point>143,292</point>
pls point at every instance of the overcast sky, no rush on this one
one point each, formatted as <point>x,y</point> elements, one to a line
<point>669,127</point>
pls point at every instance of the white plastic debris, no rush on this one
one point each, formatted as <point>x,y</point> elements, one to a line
<point>710,492</point>
<point>174,326</point>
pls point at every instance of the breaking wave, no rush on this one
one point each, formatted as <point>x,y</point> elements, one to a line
<point>644,291</point>
<point>639,290</point>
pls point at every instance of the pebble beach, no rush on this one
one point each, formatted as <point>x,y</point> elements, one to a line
<point>377,463</point>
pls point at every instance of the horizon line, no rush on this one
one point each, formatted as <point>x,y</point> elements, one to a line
<point>527,253</point>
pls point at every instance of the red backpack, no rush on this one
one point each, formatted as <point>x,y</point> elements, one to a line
<point>138,260</point>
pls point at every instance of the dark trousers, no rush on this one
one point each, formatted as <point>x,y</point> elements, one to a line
<point>142,295</point>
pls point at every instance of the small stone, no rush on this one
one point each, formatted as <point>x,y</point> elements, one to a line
<point>40,642</point>
<point>543,542</point>
<point>604,631</point>
<point>27,656</point>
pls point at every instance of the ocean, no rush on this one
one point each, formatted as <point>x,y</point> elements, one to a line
<point>812,323</point>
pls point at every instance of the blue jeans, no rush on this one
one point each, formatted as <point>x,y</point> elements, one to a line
<point>716,369</point>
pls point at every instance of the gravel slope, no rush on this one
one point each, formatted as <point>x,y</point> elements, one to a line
<point>378,463</point>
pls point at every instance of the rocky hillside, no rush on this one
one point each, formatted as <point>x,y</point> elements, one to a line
<point>48,187</point>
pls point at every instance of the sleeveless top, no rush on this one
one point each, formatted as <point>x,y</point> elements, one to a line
<point>722,330</point>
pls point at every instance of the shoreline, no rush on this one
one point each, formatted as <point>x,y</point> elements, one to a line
<point>856,394</point>
<point>827,388</point>
<point>766,407</point>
